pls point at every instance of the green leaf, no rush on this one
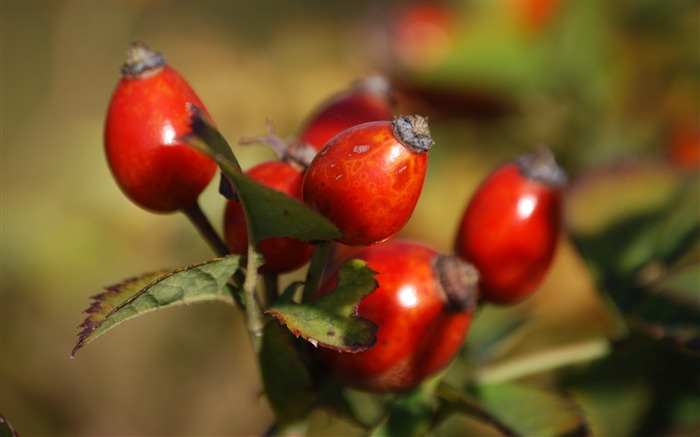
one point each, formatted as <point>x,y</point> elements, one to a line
<point>532,411</point>
<point>412,413</point>
<point>613,408</point>
<point>681,284</point>
<point>133,297</point>
<point>6,429</point>
<point>668,308</point>
<point>453,401</point>
<point>615,215</point>
<point>678,231</point>
<point>332,320</point>
<point>496,330</point>
<point>269,213</point>
<point>637,226</point>
<point>286,379</point>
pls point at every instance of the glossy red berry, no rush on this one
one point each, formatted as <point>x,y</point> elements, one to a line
<point>510,228</point>
<point>281,254</point>
<point>147,114</point>
<point>423,307</point>
<point>367,179</point>
<point>367,100</point>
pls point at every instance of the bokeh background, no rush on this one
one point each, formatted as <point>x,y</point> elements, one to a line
<point>599,82</point>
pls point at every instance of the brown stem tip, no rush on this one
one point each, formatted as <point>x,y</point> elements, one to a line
<point>540,165</point>
<point>141,60</point>
<point>413,132</point>
<point>458,280</point>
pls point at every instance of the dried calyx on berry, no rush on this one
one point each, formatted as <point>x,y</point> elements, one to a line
<point>413,132</point>
<point>540,165</point>
<point>458,280</point>
<point>141,60</point>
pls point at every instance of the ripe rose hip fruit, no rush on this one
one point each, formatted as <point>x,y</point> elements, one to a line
<point>368,178</point>
<point>281,254</point>
<point>366,100</point>
<point>423,307</point>
<point>536,15</point>
<point>422,34</point>
<point>147,114</point>
<point>510,228</point>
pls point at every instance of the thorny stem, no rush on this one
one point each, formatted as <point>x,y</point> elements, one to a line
<point>296,153</point>
<point>316,268</point>
<point>195,214</point>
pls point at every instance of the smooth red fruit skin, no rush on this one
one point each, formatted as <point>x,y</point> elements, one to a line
<point>509,232</point>
<point>418,334</point>
<point>367,182</point>
<point>147,113</point>
<point>282,254</point>
<point>367,100</point>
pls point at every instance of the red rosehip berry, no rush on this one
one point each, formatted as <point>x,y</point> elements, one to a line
<point>366,100</point>
<point>147,114</point>
<point>536,15</point>
<point>422,34</point>
<point>281,254</point>
<point>423,307</point>
<point>683,147</point>
<point>367,179</point>
<point>510,228</point>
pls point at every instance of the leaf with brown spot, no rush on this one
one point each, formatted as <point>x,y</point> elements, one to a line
<point>332,321</point>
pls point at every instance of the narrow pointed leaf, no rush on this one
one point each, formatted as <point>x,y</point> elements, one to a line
<point>153,291</point>
<point>332,320</point>
<point>669,308</point>
<point>496,331</point>
<point>637,227</point>
<point>268,212</point>
<point>286,380</point>
<point>531,411</point>
<point>6,429</point>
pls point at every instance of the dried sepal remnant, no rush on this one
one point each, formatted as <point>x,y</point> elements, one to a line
<point>141,60</point>
<point>458,280</point>
<point>413,132</point>
<point>540,165</point>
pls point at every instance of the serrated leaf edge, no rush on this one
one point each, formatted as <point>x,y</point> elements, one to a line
<point>88,326</point>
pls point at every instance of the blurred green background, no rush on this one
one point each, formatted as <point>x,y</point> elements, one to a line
<point>599,82</point>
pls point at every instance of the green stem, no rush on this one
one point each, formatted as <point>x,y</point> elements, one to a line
<point>543,360</point>
<point>254,315</point>
<point>195,214</point>
<point>316,268</point>
<point>200,221</point>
